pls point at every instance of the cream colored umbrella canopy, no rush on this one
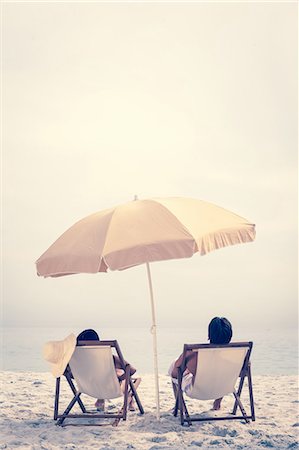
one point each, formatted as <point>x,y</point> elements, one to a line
<point>143,231</point>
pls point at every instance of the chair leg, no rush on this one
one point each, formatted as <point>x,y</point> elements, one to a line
<point>56,403</point>
<point>175,392</point>
<point>251,395</point>
<point>184,414</point>
<point>181,400</point>
<point>71,384</point>
<point>189,422</point>
<point>68,409</point>
<point>136,396</point>
<point>239,394</point>
<point>126,393</point>
<point>180,396</point>
<point>241,406</point>
<point>176,407</point>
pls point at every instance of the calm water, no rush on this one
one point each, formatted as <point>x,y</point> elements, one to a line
<point>274,352</point>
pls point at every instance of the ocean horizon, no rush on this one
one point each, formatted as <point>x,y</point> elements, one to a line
<point>275,351</point>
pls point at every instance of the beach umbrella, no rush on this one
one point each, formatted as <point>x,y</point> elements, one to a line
<point>140,232</point>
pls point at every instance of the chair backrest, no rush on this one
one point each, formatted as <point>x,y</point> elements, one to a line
<point>218,368</point>
<point>93,369</point>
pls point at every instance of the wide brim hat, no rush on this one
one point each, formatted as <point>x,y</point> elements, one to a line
<point>59,353</point>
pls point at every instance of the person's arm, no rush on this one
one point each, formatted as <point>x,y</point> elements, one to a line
<point>191,360</point>
<point>118,365</point>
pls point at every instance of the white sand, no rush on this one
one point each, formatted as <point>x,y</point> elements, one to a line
<point>27,411</point>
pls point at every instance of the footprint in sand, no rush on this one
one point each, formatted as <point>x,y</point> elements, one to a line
<point>266,443</point>
<point>158,439</point>
<point>217,431</point>
<point>197,443</point>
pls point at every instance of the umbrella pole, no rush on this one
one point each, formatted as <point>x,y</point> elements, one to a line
<point>154,333</point>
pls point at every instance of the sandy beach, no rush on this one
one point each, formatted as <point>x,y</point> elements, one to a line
<point>149,156</point>
<point>27,411</point>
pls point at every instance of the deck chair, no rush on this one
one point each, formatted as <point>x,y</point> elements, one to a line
<point>218,369</point>
<point>92,368</point>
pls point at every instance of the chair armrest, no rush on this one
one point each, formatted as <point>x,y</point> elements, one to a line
<point>244,370</point>
<point>127,370</point>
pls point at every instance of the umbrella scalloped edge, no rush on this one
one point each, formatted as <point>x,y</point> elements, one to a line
<point>225,238</point>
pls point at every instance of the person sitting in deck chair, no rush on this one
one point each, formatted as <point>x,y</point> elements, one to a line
<point>219,332</point>
<point>92,335</point>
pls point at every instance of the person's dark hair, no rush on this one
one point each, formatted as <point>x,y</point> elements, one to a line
<point>88,335</point>
<point>220,331</point>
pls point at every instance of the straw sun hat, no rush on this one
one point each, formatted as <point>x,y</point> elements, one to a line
<point>59,353</point>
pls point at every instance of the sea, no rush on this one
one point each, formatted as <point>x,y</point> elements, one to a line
<point>275,351</point>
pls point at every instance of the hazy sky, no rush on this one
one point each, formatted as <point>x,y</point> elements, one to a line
<point>102,101</point>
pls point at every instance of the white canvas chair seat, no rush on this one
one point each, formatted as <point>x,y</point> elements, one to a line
<point>92,367</point>
<point>94,372</point>
<point>217,372</point>
<point>218,369</point>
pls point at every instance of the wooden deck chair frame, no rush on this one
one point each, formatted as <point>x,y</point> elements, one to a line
<point>130,391</point>
<point>180,404</point>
